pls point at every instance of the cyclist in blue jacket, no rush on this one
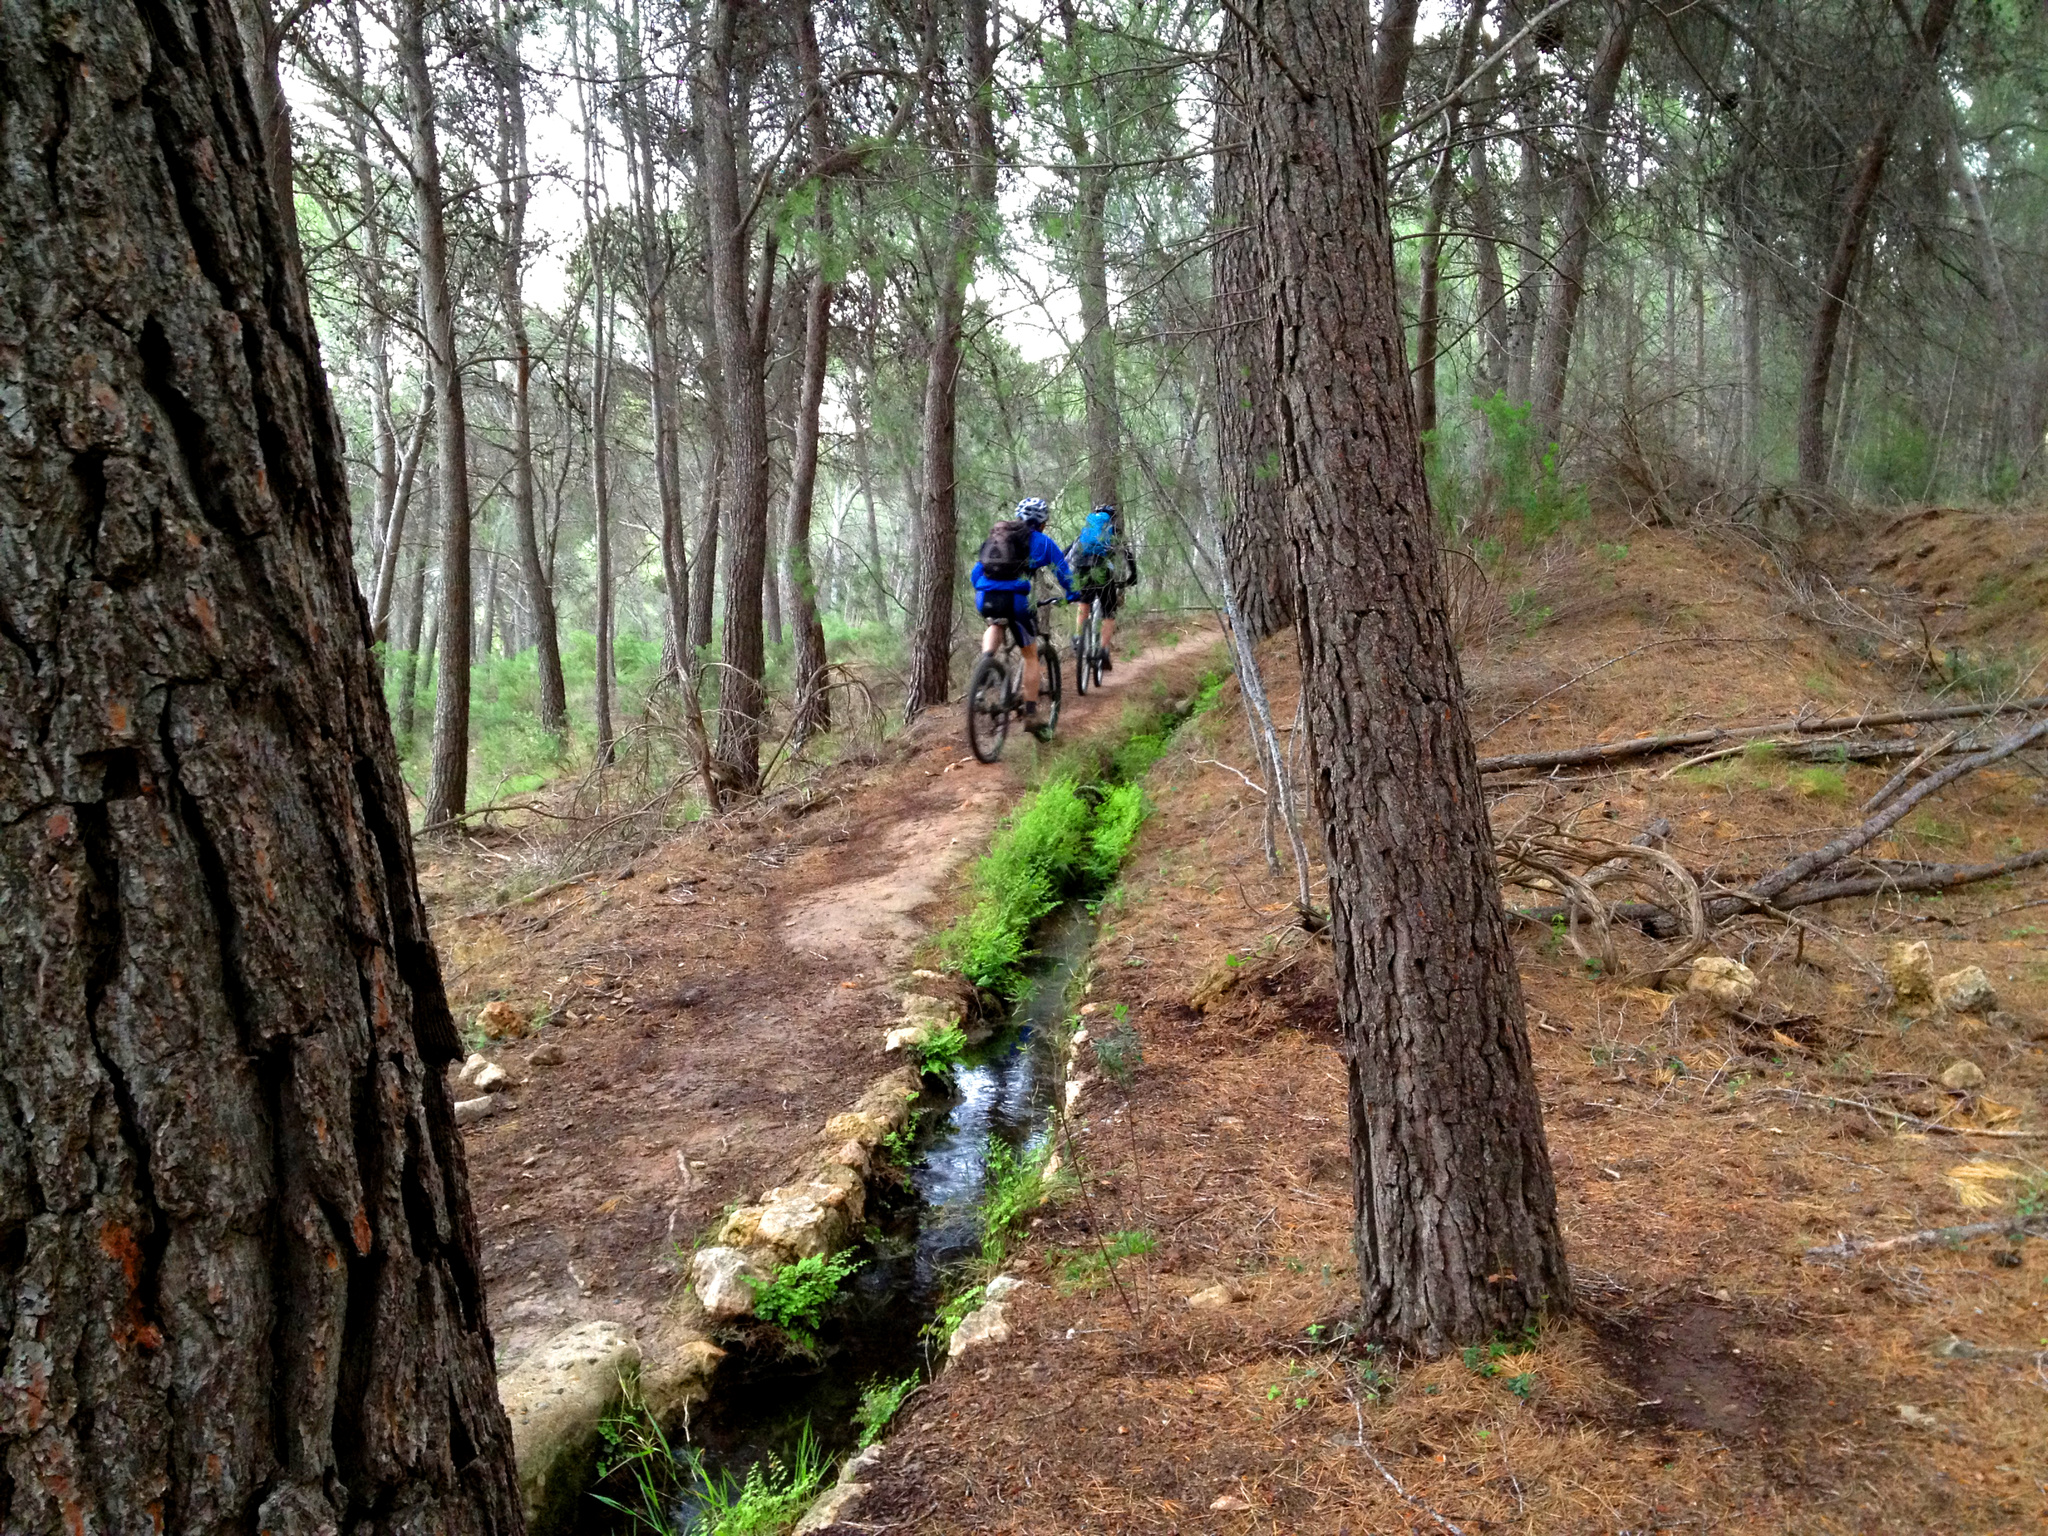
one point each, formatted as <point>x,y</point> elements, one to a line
<point>1017,549</point>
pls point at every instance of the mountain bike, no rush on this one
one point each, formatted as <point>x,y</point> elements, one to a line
<point>1088,647</point>
<point>995,692</point>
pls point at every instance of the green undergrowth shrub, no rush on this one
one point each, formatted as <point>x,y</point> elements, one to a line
<point>1026,872</point>
<point>1117,822</point>
<point>795,1300</point>
<point>671,1491</point>
<point>943,1051</point>
<point>1017,1185</point>
<point>880,1402</point>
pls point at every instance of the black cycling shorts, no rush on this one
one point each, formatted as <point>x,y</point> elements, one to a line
<point>1016,608</point>
<point>1094,581</point>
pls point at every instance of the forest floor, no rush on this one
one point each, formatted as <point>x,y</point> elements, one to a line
<point>697,1015</point>
<point>1710,1377</point>
<point>720,1001</point>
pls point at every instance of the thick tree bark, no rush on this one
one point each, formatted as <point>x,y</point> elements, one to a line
<point>1457,1233</point>
<point>1429,295</point>
<point>236,1241</point>
<point>1254,537</point>
<point>813,701</point>
<point>448,778</point>
<point>740,700</point>
<point>937,556</point>
<point>515,186</point>
<point>1582,203</point>
<point>1898,95</point>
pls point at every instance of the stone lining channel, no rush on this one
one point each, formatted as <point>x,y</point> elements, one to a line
<point>914,1234</point>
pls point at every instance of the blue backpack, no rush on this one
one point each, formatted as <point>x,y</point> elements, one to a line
<point>1097,534</point>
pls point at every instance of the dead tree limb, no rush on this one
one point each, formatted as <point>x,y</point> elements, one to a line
<point>1650,746</point>
<point>1898,780</point>
<point>1927,1237</point>
<point>1935,1127</point>
<point>1812,863</point>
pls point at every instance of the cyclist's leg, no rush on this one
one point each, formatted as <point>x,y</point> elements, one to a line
<point>1112,600</point>
<point>1026,630</point>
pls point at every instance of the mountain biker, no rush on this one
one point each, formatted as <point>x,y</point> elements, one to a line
<point>1097,552</point>
<point>1016,550</point>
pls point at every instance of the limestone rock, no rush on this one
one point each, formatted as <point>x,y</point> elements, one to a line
<point>1004,1286</point>
<point>850,1154</point>
<point>547,1054</point>
<point>831,1508</point>
<point>939,1012</point>
<point>1965,991</point>
<point>719,1276</point>
<point>986,1324</point>
<point>1227,1293</point>
<point>815,1218</point>
<point>557,1400</point>
<point>1962,1075</point>
<point>470,1110</point>
<point>904,1036</point>
<point>499,1020</point>
<point>677,1370</point>
<point>742,1228</point>
<point>476,1063</point>
<point>864,1129</point>
<point>1910,970</point>
<point>1730,983</point>
<point>493,1079</point>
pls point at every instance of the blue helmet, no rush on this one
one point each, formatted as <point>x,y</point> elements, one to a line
<point>1033,510</point>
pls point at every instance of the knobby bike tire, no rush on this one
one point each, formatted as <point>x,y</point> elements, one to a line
<point>988,709</point>
<point>1095,645</point>
<point>1049,702</point>
<point>1081,659</point>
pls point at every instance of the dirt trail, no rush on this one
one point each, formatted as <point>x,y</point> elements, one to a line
<point>713,1006</point>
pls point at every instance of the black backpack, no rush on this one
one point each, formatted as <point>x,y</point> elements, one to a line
<point>1006,553</point>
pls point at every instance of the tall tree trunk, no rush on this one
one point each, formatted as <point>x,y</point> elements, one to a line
<point>1752,354</point>
<point>1442,184</point>
<point>936,555</point>
<point>1254,534</point>
<point>1532,98</point>
<point>515,188</point>
<point>448,779</point>
<point>813,701</point>
<point>490,605</point>
<point>601,328</point>
<point>738,751</point>
<point>1582,203</point>
<point>2005,417</point>
<point>655,256</point>
<point>712,508</point>
<point>1923,48</point>
<point>863,466</point>
<point>241,1267</point>
<point>377,322</point>
<point>1093,153</point>
<point>415,621</point>
<point>1393,50</point>
<point>1490,284</point>
<point>1457,1235</point>
<point>394,533</point>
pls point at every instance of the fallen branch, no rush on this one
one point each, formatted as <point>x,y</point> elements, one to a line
<point>1898,780</point>
<point>1829,1101</point>
<point>1809,864</point>
<point>1650,746</point>
<point>530,897</point>
<point>1927,1237</point>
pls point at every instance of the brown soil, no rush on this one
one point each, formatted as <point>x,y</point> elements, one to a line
<point>715,1002</point>
<point>1710,1377</point>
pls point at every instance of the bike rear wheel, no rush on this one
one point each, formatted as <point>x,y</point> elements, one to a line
<point>1094,661</point>
<point>988,708</point>
<point>1081,655</point>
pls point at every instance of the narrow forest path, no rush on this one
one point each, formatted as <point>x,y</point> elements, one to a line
<point>712,1007</point>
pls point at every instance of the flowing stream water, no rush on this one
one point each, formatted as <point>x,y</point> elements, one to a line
<point>918,1236</point>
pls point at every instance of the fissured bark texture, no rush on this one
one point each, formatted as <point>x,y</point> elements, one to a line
<point>1457,1226</point>
<point>238,1277</point>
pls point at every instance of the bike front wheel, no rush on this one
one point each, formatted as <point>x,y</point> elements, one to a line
<point>988,709</point>
<point>1049,700</point>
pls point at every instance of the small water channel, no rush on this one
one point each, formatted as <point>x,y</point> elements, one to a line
<point>919,1234</point>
